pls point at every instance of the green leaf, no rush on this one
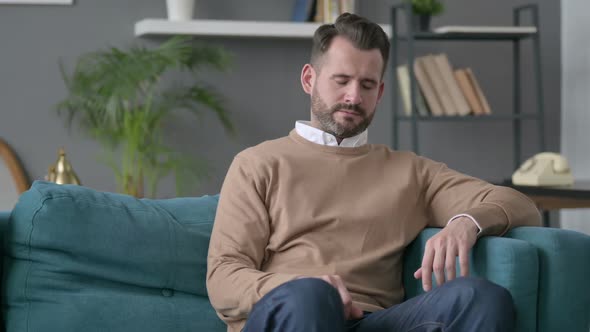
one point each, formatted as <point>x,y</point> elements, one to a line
<point>116,96</point>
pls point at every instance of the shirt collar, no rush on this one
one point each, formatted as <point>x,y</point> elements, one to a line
<point>315,135</point>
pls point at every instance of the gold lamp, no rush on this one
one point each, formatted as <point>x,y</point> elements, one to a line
<point>62,172</point>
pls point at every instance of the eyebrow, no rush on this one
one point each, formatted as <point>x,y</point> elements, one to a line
<point>367,80</point>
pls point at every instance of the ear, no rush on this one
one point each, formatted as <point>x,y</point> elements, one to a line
<point>308,76</point>
<point>380,95</point>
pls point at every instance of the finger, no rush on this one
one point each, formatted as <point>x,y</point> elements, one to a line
<point>355,312</point>
<point>464,261</point>
<point>418,273</point>
<point>439,265</point>
<point>450,263</point>
<point>427,268</point>
<point>344,295</point>
<point>328,279</point>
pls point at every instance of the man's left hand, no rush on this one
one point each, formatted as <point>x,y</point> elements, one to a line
<point>441,251</point>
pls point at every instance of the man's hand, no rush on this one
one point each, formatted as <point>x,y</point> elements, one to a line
<point>350,310</point>
<point>441,251</point>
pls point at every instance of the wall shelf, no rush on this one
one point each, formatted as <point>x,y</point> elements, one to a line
<point>474,36</point>
<point>226,28</point>
<point>471,118</point>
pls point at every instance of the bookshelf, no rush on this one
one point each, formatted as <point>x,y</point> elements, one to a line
<point>227,28</point>
<point>514,36</point>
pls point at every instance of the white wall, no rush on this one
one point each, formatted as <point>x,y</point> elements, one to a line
<point>575,101</point>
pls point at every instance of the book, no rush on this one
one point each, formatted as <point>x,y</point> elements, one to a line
<point>427,88</point>
<point>468,91</point>
<point>303,11</point>
<point>446,70</point>
<point>403,78</point>
<point>479,92</point>
<point>439,85</point>
<point>335,10</point>
<point>319,11</point>
<point>347,6</point>
<point>327,11</point>
<point>485,29</point>
<point>328,14</point>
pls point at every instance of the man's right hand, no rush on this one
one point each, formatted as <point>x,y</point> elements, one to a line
<point>350,310</point>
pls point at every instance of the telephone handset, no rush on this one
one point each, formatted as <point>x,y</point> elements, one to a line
<point>544,169</point>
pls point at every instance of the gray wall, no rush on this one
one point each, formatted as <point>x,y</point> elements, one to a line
<point>575,51</point>
<point>262,89</point>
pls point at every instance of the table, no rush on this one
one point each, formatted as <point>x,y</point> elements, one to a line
<point>548,198</point>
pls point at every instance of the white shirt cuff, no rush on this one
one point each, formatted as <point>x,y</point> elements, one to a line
<point>468,216</point>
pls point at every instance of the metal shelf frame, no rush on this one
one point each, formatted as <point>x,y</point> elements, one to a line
<point>516,117</point>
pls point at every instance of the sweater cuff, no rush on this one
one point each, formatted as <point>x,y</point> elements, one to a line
<point>468,216</point>
<point>491,218</point>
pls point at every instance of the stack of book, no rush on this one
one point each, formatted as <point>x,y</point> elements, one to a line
<point>321,11</point>
<point>442,90</point>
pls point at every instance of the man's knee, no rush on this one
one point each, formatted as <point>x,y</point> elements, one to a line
<point>483,294</point>
<point>307,304</point>
<point>307,292</point>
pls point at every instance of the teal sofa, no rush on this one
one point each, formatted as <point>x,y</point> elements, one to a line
<point>75,259</point>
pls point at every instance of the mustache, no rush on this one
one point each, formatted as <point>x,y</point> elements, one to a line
<point>350,107</point>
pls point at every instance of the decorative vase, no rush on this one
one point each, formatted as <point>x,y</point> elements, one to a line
<point>62,172</point>
<point>421,22</point>
<point>180,10</point>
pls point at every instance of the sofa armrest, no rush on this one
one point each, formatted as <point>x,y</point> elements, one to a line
<point>564,268</point>
<point>4,216</point>
<point>510,263</point>
<point>4,219</point>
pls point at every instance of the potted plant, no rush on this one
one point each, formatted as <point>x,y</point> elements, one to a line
<point>117,96</point>
<point>423,10</point>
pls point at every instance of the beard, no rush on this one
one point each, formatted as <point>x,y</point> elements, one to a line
<point>325,116</point>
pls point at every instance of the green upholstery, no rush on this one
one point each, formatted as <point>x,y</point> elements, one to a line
<point>77,259</point>
<point>80,260</point>
<point>564,269</point>
<point>510,263</point>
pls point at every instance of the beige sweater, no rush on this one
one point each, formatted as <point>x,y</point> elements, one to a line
<point>290,208</point>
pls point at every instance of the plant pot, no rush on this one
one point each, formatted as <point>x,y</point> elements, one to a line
<point>180,10</point>
<point>421,22</point>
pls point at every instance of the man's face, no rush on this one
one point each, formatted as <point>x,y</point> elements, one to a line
<point>345,89</point>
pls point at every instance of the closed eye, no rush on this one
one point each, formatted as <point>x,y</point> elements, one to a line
<point>368,84</point>
<point>341,80</point>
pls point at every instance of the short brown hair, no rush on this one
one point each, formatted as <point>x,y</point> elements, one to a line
<point>361,32</point>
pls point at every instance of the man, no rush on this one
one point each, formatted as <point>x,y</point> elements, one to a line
<point>311,228</point>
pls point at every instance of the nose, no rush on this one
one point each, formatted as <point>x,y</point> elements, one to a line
<point>353,94</point>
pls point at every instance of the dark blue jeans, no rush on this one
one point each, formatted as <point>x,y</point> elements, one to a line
<point>313,305</point>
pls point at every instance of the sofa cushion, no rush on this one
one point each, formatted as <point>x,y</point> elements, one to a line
<point>78,259</point>
<point>510,263</point>
<point>563,277</point>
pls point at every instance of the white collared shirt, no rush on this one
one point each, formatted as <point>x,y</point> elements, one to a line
<point>318,136</point>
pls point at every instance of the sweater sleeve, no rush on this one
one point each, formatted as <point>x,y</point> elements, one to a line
<point>497,209</point>
<point>237,248</point>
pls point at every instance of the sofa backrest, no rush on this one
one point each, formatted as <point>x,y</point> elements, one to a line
<point>78,259</point>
